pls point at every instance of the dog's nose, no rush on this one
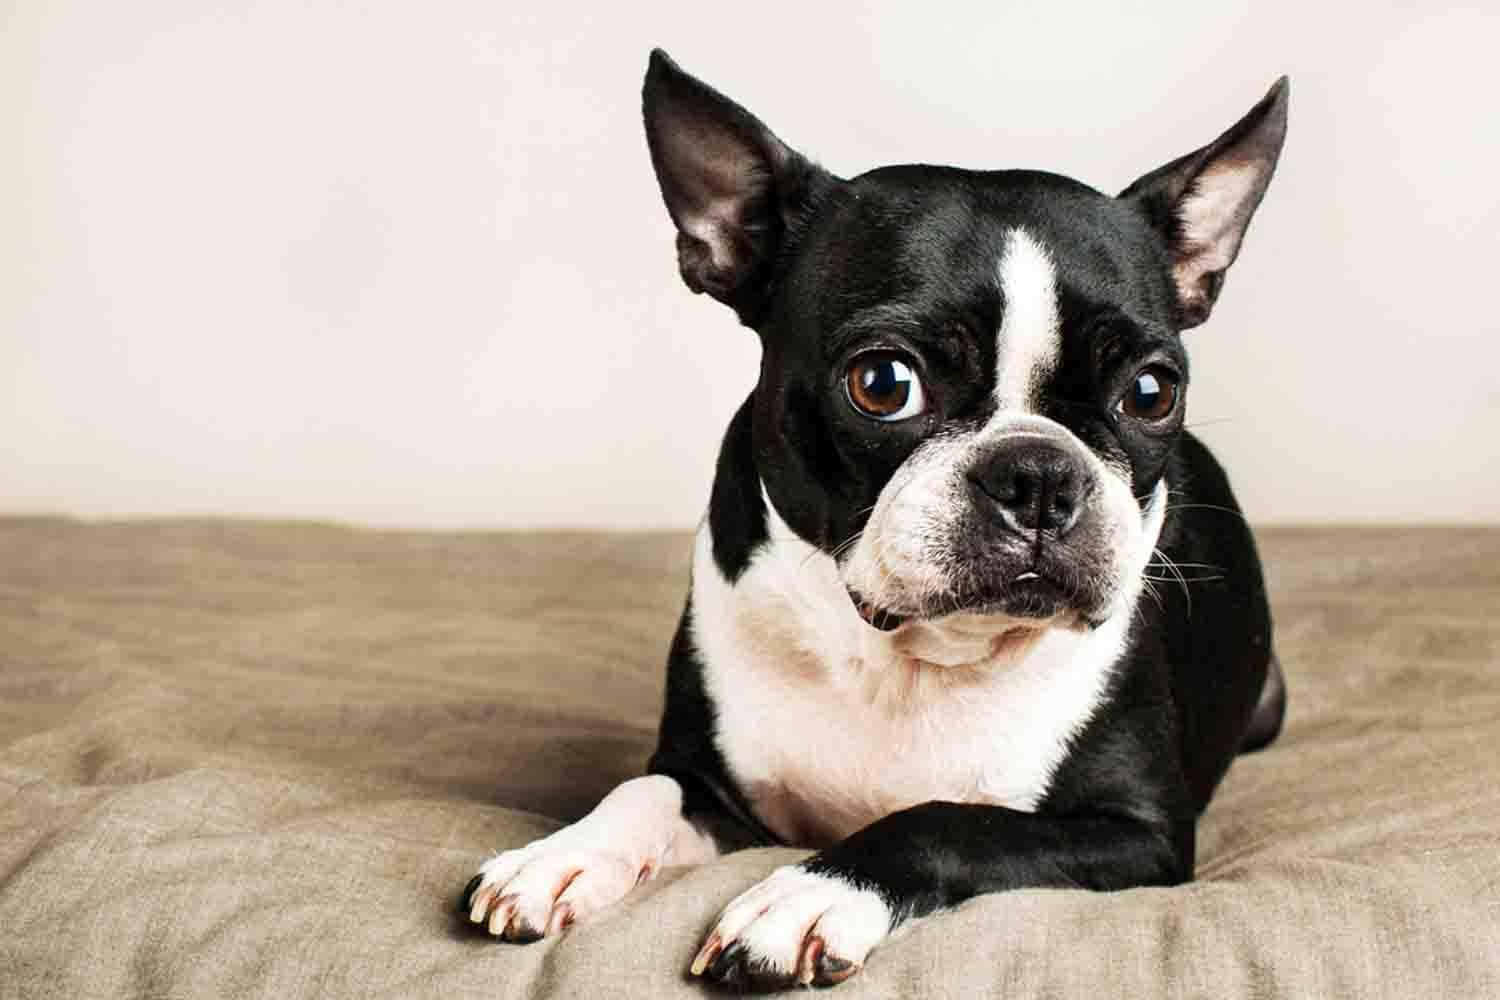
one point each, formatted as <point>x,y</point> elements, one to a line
<point>1032,485</point>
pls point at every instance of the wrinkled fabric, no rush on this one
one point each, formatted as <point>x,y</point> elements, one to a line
<point>260,760</point>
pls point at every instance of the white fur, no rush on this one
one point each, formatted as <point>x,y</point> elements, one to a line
<point>1030,335</point>
<point>774,918</point>
<point>901,560</point>
<point>630,835</point>
<point>829,724</point>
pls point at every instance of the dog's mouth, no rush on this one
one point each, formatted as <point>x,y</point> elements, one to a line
<point>1030,600</point>
<point>874,616</point>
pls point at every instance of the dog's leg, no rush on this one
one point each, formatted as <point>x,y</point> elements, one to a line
<point>544,887</point>
<point>1270,710</point>
<point>815,922</point>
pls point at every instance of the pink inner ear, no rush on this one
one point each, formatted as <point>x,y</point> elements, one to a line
<point>1211,223</point>
<point>717,176</point>
<point>712,234</point>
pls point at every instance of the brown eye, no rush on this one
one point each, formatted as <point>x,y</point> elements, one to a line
<point>1151,396</point>
<point>881,385</point>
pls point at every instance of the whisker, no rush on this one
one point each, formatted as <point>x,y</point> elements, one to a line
<point>1186,593</point>
<point>1208,506</point>
<point>841,547</point>
<point>1155,595</point>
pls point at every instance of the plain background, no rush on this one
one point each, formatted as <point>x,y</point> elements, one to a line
<point>406,263</point>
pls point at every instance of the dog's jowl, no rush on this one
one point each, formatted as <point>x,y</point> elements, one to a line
<point>970,610</point>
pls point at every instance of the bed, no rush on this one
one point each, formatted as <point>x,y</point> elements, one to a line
<point>254,759</point>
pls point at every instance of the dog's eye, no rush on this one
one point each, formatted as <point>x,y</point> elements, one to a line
<point>881,385</point>
<point>1151,396</point>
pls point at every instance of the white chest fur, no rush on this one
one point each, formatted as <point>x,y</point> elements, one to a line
<point>829,724</point>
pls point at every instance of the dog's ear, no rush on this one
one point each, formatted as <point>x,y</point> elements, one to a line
<point>732,188</point>
<point>1202,202</point>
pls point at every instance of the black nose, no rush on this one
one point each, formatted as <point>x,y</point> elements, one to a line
<point>1032,485</point>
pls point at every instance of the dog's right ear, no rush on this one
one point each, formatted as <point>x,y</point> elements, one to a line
<point>732,188</point>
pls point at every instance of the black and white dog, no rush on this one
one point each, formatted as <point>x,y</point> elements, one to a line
<point>970,610</point>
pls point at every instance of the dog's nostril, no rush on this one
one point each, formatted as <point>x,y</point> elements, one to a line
<point>1010,487</point>
<point>1061,513</point>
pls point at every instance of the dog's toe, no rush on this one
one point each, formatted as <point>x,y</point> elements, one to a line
<point>795,928</point>
<point>543,889</point>
<point>466,898</point>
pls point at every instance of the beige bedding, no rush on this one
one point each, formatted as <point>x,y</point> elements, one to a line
<point>260,760</point>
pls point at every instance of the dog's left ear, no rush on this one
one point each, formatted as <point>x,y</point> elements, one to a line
<point>732,188</point>
<point>1202,202</point>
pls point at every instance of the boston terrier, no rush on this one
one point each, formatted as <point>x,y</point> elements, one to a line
<point>970,610</point>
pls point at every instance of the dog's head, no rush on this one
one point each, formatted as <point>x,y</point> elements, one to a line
<point>971,381</point>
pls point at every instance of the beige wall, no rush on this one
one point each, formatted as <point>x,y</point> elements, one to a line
<point>406,263</point>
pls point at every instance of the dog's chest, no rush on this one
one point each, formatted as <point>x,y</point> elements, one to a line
<point>826,726</point>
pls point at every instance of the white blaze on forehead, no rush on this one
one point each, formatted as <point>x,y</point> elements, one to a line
<point>1030,335</point>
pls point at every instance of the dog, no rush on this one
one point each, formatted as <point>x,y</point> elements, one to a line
<point>970,609</point>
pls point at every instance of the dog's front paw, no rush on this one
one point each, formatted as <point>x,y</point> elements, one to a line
<point>795,928</point>
<point>543,888</point>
